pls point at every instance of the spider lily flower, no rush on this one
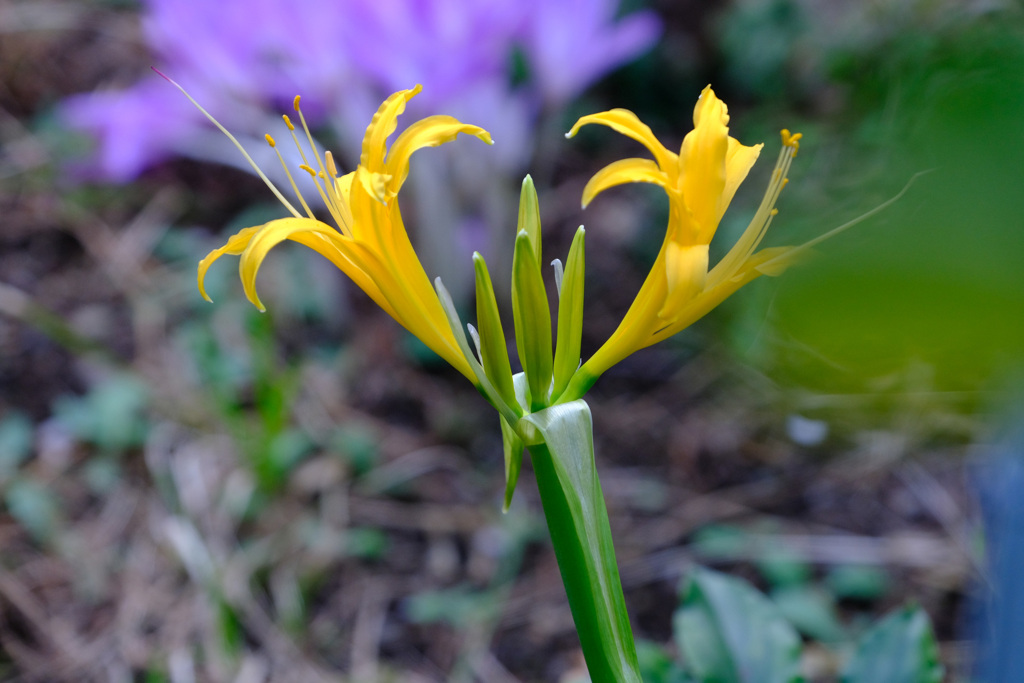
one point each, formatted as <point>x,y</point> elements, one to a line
<point>700,183</point>
<point>367,240</point>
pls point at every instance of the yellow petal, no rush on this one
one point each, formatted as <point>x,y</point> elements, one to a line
<point>342,255</point>
<point>770,262</point>
<point>414,306</point>
<point>638,324</point>
<point>703,157</point>
<point>269,236</point>
<point>686,270</point>
<point>624,171</point>
<point>375,184</point>
<point>381,126</point>
<point>775,260</point>
<point>738,162</point>
<point>429,132</point>
<point>627,123</point>
<point>236,245</point>
<point>343,185</point>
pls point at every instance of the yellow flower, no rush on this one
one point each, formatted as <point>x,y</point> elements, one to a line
<point>368,240</point>
<point>700,182</point>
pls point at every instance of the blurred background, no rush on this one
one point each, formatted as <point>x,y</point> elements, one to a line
<point>200,492</point>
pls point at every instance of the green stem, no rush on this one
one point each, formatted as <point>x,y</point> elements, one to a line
<point>586,559</point>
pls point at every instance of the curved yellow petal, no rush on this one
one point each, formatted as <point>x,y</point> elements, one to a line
<point>626,122</point>
<point>703,157</point>
<point>772,261</point>
<point>738,161</point>
<point>686,271</point>
<point>624,171</point>
<point>415,308</point>
<point>640,320</point>
<point>382,126</point>
<point>341,254</point>
<point>236,245</point>
<point>697,308</point>
<point>429,132</point>
<point>375,184</point>
<point>372,219</point>
<point>343,185</point>
<point>269,236</point>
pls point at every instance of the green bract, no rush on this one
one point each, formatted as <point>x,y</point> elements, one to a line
<point>532,320</point>
<point>493,352</point>
<point>570,316</point>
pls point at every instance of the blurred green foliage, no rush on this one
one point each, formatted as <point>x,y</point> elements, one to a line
<point>112,416</point>
<point>16,435</point>
<point>900,647</point>
<point>728,632</point>
<point>937,278</point>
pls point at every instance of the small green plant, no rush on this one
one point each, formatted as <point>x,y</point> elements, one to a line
<point>726,631</point>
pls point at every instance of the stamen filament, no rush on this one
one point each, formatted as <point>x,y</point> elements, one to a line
<point>291,180</point>
<point>762,219</point>
<point>234,140</point>
<point>329,201</point>
<point>309,136</point>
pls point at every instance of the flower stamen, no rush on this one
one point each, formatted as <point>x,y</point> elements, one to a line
<point>762,220</point>
<point>291,180</point>
<point>328,191</point>
<point>236,143</point>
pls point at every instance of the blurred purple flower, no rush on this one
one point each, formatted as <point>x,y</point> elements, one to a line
<point>243,58</point>
<point>572,43</point>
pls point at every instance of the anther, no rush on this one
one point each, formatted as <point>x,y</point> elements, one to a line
<point>307,169</point>
<point>295,103</point>
<point>791,140</point>
<point>288,122</point>
<point>270,140</point>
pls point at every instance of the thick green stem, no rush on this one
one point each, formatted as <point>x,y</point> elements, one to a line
<point>578,522</point>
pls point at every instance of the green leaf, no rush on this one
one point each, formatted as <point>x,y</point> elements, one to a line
<point>35,507</point>
<point>513,447</point>
<point>657,666</point>
<point>229,628</point>
<point>811,610</point>
<point>858,582</point>
<point>493,351</point>
<point>529,216</point>
<point>532,321</point>
<point>781,568</point>
<point>570,316</point>
<point>728,632</point>
<point>900,648</point>
<point>367,543</point>
<point>461,606</point>
<point>577,520</point>
<point>16,434</point>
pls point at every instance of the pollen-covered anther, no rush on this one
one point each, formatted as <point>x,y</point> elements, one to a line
<point>270,140</point>
<point>288,122</point>
<point>295,102</point>
<point>791,140</point>
<point>308,169</point>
